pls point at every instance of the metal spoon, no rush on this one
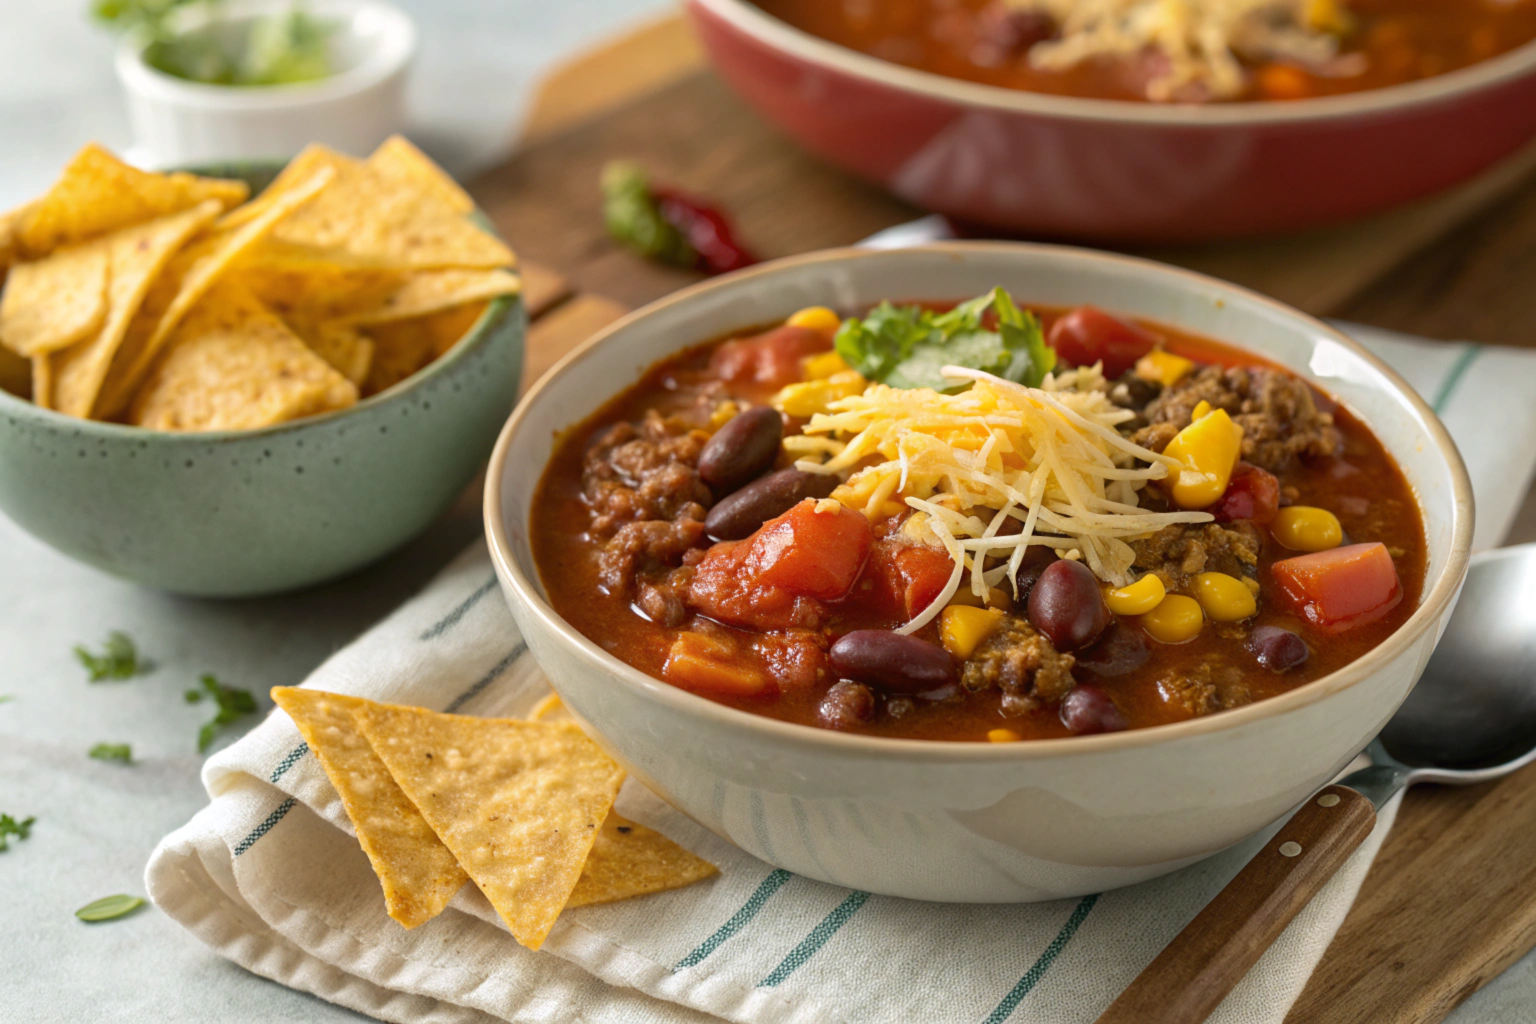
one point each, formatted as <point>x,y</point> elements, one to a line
<point>1471,718</point>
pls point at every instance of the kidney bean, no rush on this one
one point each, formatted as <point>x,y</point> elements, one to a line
<point>846,705</point>
<point>1087,709</point>
<point>739,515</point>
<point>1036,558</point>
<point>1120,650</point>
<point>892,661</point>
<point>742,450</point>
<point>1253,494</point>
<point>1067,606</point>
<point>1277,649</point>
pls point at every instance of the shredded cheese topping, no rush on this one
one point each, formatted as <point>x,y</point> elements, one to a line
<point>1192,46</point>
<point>1049,458</point>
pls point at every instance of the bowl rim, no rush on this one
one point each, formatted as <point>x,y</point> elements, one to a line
<point>763,27</point>
<point>1433,603</point>
<point>496,313</point>
<point>392,54</point>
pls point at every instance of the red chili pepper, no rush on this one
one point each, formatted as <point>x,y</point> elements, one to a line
<point>706,229</point>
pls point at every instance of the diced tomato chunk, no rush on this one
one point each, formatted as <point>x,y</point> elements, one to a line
<point>723,590</point>
<point>926,572</point>
<point>1341,588</point>
<point>714,664</point>
<point>1088,335</point>
<point>816,549</point>
<point>771,359</point>
<point>1254,494</point>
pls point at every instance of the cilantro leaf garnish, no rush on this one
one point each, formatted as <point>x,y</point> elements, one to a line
<point>119,658</point>
<point>9,826</point>
<point>6,698</point>
<point>109,907</point>
<point>233,702</point>
<point>121,752</point>
<point>907,346</point>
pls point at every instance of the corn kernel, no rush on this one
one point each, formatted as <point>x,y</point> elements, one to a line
<point>822,365</point>
<point>1224,598</point>
<point>1138,598</point>
<point>814,396</point>
<point>723,414</point>
<point>1304,528</point>
<point>1164,367</point>
<point>1251,583</point>
<point>1003,736</point>
<point>817,318</point>
<point>1208,449</point>
<point>963,628</point>
<point>1176,619</point>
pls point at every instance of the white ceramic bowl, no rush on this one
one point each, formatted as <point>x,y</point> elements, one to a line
<point>177,122</point>
<point>979,822</point>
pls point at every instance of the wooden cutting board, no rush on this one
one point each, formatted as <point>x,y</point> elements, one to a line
<point>1451,900</point>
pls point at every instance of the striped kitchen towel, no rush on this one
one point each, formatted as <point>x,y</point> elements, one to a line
<point>268,875</point>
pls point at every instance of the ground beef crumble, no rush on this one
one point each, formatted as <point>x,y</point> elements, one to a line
<point>1278,414</point>
<point>1205,689</point>
<point>1177,553</point>
<point>1022,664</point>
<point>647,500</point>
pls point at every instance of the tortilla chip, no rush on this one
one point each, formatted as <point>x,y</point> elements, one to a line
<point>432,291</point>
<point>42,381</point>
<point>316,293</point>
<point>382,219</point>
<point>15,373</point>
<point>55,302</point>
<point>550,709</point>
<point>397,157</point>
<point>519,803</point>
<point>341,345</point>
<point>233,365</point>
<point>299,171</point>
<point>136,256</point>
<point>630,860</point>
<point>186,279</point>
<point>11,224</point>
<point>98,194</point>
<point>399,350</point>
<point>417,872</point>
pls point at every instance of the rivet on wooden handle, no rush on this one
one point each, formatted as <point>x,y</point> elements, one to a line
<point>1215,950</point>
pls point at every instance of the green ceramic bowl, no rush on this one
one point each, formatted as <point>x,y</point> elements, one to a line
<point>242,513</point>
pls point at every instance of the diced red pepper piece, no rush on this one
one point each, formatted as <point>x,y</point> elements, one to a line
<point>771,359</point>
<point>1341,588</point>
<point>1088,335</point>
<point>706,229</point>
<point>816,549</point>
<point>1254,494</point>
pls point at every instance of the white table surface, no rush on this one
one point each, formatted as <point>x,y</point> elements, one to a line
<point>97,822</point>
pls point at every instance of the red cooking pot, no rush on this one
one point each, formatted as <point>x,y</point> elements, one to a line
<point>1119,171</point>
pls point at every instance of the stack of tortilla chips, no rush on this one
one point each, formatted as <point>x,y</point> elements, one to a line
<point>169,302</point>
<point>523,808</point>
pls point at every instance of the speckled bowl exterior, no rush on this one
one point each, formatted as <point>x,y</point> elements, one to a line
<point>245,513</point>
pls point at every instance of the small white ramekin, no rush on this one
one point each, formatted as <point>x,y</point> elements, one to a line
<point>177,122</point>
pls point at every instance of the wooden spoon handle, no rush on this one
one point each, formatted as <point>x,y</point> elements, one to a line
<point>1213,952</point>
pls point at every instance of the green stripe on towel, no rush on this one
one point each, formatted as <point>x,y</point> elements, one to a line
<point>1458,371</point>
<point>812,943</point>
<point>748,911</point>
<point>1035,973</point>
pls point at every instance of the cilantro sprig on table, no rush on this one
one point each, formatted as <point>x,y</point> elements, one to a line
<point>119,658</point>
<point>232,702</point>
<point>119,752</point>
<point>907,346</point>
<point>9,826</point>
